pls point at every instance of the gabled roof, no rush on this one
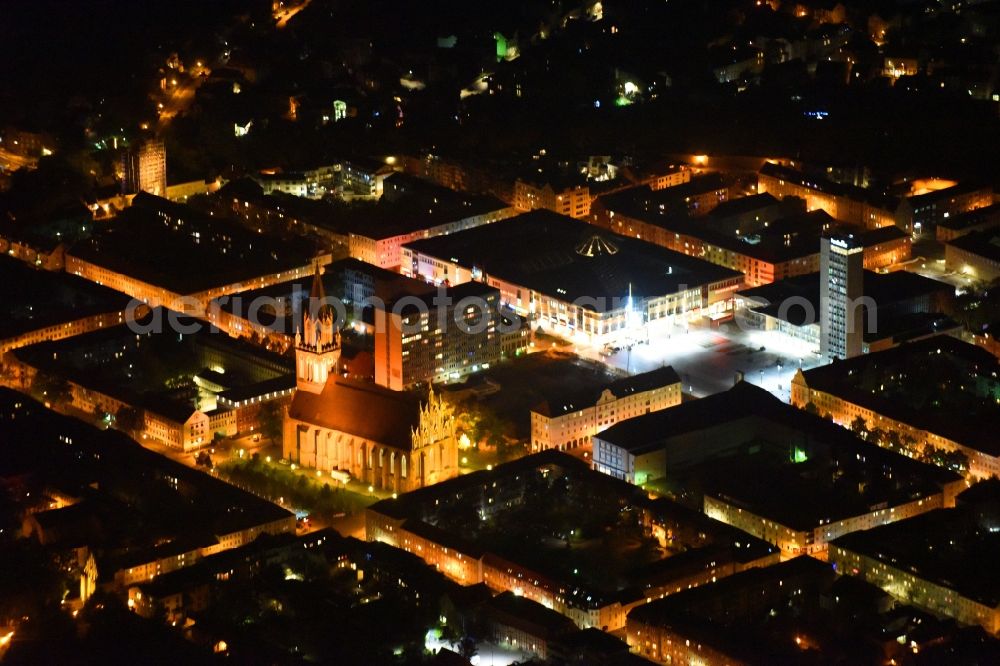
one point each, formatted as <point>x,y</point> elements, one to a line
<point>575,400</point>
<point>360,409</point>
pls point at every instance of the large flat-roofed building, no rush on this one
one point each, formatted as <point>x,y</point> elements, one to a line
<point>572,418</point>
<point>789,478</point>
<point>759,236</point>
<point>576,281</point>
<point>169,254</point>
<point>644,448</point>
<point>930,209</point>
<point>377,233</point>
<point>846,203</point>
<point>944,561</point>
<point>888,392</point>
<point>978,219</point>
<point>474,529</point>
<point>213,384</point>
<point>976,254</point>
<point>43,305</point>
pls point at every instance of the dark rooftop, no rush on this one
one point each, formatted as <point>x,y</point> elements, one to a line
<point>386,218</point>
<point>649,431</point>
<point>37,299</point>
<point>985,215</point>
<point>985,244</point>
<point>887,290</point>
<point>822,185</point>
<point>570,260</point>
<point>175,247</point>
<point>910,400</point>
<point>529,616</point>
<point>742,205</point>
<point>575,400</point>
<point>783,239</point>
<point>945,546</point>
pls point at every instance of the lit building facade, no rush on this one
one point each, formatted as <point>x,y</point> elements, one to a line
<point>711,555</point>
<point>908,585</point>
<point>438,342</point>
<point>571,200</point>
<point>364,179</point>
<point>145,169</point>
<point>979,219</point>
<point>930,209</point>
<point>146,281</point>
<point>976,254</point>
<point>591,290</point>
<point>572,420</point>
<point>793,541</point>
<point>849,204</point>
<point>841,319</point>
<point>389,439</point>
<point>824,388</point>
<point>385,250</point>
<point>311,183</point>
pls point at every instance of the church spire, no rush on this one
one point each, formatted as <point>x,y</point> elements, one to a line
<point>317,290</point>
<point>317,342</point>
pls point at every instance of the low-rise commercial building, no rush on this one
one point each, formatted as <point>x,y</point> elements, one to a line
<point>574,281</point>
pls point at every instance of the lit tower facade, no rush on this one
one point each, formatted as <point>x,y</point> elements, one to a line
<point>317,342</point>
<point>841,290</point>
<point>145,169</point>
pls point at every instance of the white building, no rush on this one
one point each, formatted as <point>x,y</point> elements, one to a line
<point>571,420</point>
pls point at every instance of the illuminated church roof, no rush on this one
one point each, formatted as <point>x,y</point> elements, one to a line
<point>371,412</point>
